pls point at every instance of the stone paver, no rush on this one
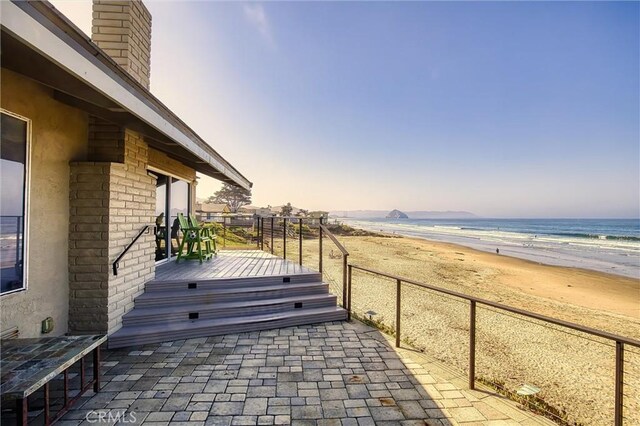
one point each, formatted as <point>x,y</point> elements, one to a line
<point>325,374</point>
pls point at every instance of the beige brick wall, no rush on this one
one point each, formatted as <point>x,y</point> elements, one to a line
<point>123,30</point>
<point>161,161</point>
<point>110,203</point>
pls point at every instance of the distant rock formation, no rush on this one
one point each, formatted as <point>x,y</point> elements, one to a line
<point>396,214</point>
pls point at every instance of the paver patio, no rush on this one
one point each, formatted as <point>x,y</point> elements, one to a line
<point>327,374</point>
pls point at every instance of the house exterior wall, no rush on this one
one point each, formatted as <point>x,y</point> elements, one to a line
<point>59,135</point>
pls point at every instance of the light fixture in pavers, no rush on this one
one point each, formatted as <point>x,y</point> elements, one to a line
<point>297,305</point>
<point>286,279</point>
<point>194,315</point>
<point>192,285</point>
<point>528,390</point>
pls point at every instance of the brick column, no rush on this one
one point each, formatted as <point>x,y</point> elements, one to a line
<point>110,203</point>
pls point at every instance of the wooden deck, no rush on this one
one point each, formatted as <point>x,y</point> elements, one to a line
<point>230,264</point>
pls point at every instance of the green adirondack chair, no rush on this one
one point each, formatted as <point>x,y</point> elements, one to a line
<point>208,231</point>
<point>197,240</point>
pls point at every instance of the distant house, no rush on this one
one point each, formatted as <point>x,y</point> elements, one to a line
<point>315,216</point>
<point>90,159</point>
<point>260,211</point>
<point>210,211</point>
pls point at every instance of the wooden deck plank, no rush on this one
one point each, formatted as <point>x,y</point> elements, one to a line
<point>229,264</point>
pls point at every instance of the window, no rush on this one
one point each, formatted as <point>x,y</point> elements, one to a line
<point>14,154</point>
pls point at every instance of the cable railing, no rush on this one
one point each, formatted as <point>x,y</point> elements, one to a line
<point>278,232</point>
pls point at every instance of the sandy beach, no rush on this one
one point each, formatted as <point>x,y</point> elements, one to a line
<point>574,371</point>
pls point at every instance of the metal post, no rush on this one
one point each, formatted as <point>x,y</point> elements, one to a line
<point>472,345</point>
<point>271,234</point>
<point>344,280</point>
<point>96,369</point>
<point>398,307</point>
<point>284,237</point>
<point>257,232</point>
<point>47,411</point>
<point>320,247</point>
<point>66,388</point>
<point>619,383</point>
<point>300,248</point>
<point>82,374</point>
<point>349,273</point>
<point>224,231</point>
<point>262,233</point>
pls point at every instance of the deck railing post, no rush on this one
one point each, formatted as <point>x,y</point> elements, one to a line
<point>257,225</point>
<point>271,234</point>
<point>344,280</point>
<point>398,310</point>
<point>262,233</point>
<point>320,246</point>
<point>619,383</point>
<point>349,278</point>
<point>300,248</point>
<point>472,345</point>
<point>224,231</point>
<point>284,238</point>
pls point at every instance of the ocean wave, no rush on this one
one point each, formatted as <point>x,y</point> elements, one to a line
<point>599,237</point>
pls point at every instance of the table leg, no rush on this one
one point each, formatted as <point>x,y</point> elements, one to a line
<point>96,369</point>
<point>66,388</point>
<point>82,374</point>
<point>22,411</point>
<point>47,413</point>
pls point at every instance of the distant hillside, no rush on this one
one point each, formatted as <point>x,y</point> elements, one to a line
<point>377,214</point>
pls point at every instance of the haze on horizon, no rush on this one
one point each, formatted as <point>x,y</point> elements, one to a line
<point>502,109</point>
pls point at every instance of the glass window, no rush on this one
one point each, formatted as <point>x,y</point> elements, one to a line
<point>13,167</point>
<point>172,197</point>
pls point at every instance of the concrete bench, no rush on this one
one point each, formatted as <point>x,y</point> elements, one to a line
<point>30,364</point>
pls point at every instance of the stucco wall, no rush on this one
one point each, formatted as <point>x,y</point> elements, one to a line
<point>59,135</point>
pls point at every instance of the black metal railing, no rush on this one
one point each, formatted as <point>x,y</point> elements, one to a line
<point>116,263</point>
<point>348,269</point>
<point>620,341</point>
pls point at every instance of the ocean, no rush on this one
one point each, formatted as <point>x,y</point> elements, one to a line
<point>606,245</point>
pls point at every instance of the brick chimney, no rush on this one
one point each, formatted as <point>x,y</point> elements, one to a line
<point>123,30</point>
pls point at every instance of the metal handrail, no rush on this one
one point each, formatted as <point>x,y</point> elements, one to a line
<point>335,240</point>
<point>620,341</point>
<point>116,264</point>
<point>346,302</point>
<point>578,327</point>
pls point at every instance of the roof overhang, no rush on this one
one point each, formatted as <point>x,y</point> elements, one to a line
<point>42,44</point>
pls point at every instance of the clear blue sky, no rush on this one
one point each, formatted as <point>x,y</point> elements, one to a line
<point>503,109</point>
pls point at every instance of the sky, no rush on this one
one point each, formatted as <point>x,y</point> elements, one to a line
<point>503,109</point>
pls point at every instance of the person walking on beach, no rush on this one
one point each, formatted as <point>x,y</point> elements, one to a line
<point>497,251</point>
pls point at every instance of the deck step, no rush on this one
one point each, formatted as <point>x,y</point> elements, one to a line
<point>175,313</point>
<point>236,282</point>
<point>140,335</point>
<point>203,296</point>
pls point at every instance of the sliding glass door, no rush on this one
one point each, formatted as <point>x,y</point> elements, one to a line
<point>172,197</point>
